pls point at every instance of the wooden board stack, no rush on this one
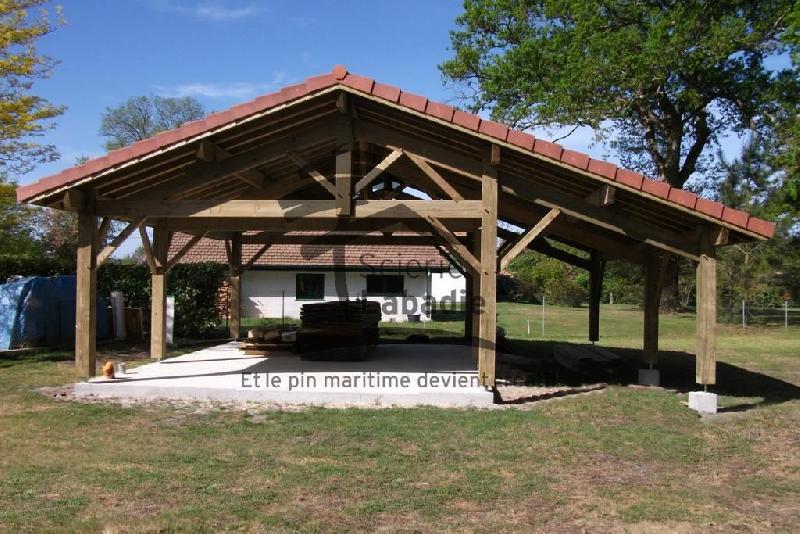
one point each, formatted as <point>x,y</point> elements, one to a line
<point>339,330</point>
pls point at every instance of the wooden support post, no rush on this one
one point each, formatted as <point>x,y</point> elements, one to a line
<point>344,165</point>
<point>158,301</point>
<point>469,296</point>
<point>652,299</point>
<point>595,294</point>
<point>475,305</point>
<point>706,281</point>
<point>86,296</point>
<point>235,264</point>
<point>488,273</point>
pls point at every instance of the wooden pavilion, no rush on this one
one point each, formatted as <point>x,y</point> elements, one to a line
<point>338,154</point>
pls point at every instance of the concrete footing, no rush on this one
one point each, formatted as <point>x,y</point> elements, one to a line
<point>703,402</point>
<point>649,377</point>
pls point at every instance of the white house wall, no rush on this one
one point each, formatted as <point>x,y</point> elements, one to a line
<point>272,294</point>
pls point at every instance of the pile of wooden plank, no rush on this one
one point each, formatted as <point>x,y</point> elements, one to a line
<point>339,330</point>
<point>261,341</point>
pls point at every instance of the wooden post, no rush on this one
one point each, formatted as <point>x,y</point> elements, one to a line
<point>488,275</point>
<point>706,281</point>
<point>595,294</point>
<point>469,295</point>
<point>235,264</point>
<point>652,300</point>
<point>475,305</point>
<point>86,296</point>
<point>344,165</point>
<point>158,288</point>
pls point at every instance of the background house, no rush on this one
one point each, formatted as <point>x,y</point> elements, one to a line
<point>286,276</point>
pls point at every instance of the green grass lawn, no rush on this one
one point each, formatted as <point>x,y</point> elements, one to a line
<point>623,458</point>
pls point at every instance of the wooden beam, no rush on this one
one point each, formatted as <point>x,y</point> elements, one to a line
<point>344,166</point>
<point>201,173</point>
<point>289,209</point>
<point>117,241</point>
<point>706,282</point>
<point>527,238</point>
<point>339,224</point>
<point>453,244</point>
<point>604,218</point>
<point>102,232</point>
<point>75,200</point>
<point>158,289</point>
<point>488,274</point>
<point>475,305</point>
<point>235,264</point>
<point>652,300</point>
<point>312,172</point>
<point>604,196</point>
<point>277,238</point>
<point>172,262</point>
<point>434,176</point>
<point>211,152</point>
<point>378,169</point>
<point>598,266</point>
<point>260,252</point>
<point>86,296</point>
<point>148,250</point>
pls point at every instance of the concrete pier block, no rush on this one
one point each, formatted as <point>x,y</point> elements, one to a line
<point>649,377</point>
<point>703,401</point>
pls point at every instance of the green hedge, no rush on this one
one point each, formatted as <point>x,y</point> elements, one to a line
<point>194,287</point>
<point>31,266</point>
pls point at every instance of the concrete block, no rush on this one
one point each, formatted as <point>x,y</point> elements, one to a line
<point>649,377</point>
<point>703,402</point>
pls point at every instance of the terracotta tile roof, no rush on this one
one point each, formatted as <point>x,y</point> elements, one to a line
<point>367,257</point>
<point>341,77</point>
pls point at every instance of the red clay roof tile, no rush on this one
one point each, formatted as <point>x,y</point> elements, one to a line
<point>415,102</point>
<point>387,92</point>
<point>440,111</point>
<point>576,159</point>
<point>656,188</point>
<point>521,139</point>
<point>494,129</point>
<point>603,168</point>
<point>412,101</point>
<point>546,148</point>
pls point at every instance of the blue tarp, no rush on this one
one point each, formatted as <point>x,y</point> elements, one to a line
<point>40,312</point>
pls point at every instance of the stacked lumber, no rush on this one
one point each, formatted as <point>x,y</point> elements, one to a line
<point>261,341</point>
<point>339,330</point>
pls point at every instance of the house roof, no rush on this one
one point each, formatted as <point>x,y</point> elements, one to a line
<point>382,258</point>
<point>43,190</point>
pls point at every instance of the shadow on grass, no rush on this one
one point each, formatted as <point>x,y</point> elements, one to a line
<point>535,359</point>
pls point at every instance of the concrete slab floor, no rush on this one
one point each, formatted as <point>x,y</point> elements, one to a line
<point>392,375</point>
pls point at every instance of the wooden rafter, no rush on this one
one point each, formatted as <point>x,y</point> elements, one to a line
<point>148,250</point>
<point>452,243</point>
<point>117,241</point>
<point>290,209</point>
<point>102,232</point>
<point>526,238</point>
<point>378,169</point>
<point>211,152</point>
<point>604,196</point>
<point>312,172</point>
<point>434,176</point>
<point>256,256</point>
<point>172,262</point>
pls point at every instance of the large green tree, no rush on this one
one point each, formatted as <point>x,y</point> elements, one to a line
<point>23,115</point>
<point>660,80</point>
<point>141,117</point>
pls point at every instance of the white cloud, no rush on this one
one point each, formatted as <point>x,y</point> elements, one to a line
<point>212,10</point>
<point>230,90</point>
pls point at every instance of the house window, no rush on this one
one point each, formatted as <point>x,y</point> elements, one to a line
<point>385,285</point>
<point>310,286</point>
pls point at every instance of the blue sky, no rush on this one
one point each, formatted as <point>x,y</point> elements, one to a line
<point>226,51</point>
